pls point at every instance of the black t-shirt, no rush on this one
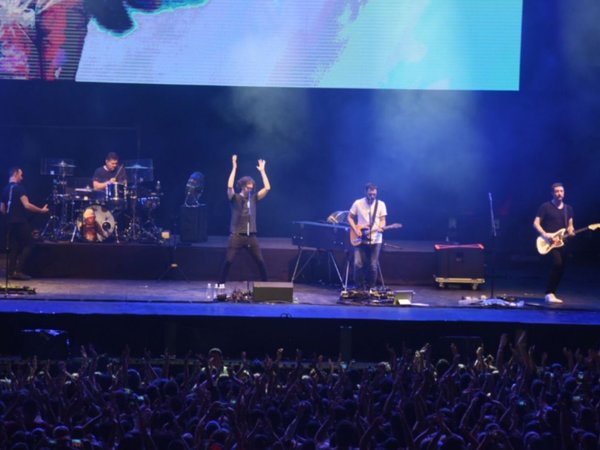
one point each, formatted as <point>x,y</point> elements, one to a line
<point>243,214</point>
<point>17,212</point>
<point>102,175</point>
<point>553,219</point>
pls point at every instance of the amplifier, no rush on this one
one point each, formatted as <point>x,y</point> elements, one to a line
<point>273,291</point>
<point>322,236</point>
<point>460,261</point>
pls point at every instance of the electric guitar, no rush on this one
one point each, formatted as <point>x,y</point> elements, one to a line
<point>543,247</point>
<point>365,233</point>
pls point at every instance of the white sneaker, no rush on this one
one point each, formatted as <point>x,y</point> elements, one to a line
<point>551,298</point>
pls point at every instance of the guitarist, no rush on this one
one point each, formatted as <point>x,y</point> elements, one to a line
<point>367,218</point>
<point>15,206</point>
<point>551,217</point>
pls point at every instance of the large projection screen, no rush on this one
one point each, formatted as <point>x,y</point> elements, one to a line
<point>365,44</point>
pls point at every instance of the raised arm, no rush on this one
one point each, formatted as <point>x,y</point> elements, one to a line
<point>266,185</point>
<point>231,180</point>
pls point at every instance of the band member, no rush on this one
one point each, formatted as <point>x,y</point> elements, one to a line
<point>551,217</point>
<point>367,218</point>
<point>243,218</point>
<point>109,173</point>
<point>14,204</point>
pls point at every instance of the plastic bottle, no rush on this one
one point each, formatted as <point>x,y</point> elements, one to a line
<point>210,293</point>
<point>221,292</point>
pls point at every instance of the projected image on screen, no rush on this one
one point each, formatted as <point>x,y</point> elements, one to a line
<point>393,44</point>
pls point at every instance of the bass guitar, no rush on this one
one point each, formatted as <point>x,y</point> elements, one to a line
<point>365,233</point>
<point>543,247</point>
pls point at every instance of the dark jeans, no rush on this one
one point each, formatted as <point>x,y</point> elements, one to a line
<point>366,265</point>
<point>558,257</point>
<point>236,242</point>
<point>20,246</point>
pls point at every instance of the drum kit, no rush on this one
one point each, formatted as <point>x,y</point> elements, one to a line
<point>123,212</point>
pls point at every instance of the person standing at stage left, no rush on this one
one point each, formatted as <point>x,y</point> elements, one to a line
<point>242,227</point>
<point>14,205</point>
<point>110,173</point>
<point>550,218</point>
<point>367,218</point>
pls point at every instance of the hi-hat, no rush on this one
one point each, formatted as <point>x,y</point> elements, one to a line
<point>136,166</point>
<point>63,164</point>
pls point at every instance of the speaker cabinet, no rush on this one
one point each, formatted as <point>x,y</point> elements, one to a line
<point>460,261</point>
<point>192,224</point>
<point>272,291</point>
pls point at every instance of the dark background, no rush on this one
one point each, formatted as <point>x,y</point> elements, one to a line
<point>434,154</point>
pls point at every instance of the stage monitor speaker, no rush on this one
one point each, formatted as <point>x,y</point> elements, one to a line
<point>192,224</point>
<point>273,291</point>
<point>460,261</point>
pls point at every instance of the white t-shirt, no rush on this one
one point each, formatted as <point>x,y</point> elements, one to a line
<point>364,213</point>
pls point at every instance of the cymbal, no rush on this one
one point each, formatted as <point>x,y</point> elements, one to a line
<point>62,164</point>
<point>136,167</point>
<point>86,189</point>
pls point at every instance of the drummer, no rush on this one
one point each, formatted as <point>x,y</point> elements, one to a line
<point>110,173</point>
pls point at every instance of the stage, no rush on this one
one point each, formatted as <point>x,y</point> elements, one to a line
<point>167,306</point>
<point>154,296</point>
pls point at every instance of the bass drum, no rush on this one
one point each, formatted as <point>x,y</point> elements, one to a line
<point>96,224</point>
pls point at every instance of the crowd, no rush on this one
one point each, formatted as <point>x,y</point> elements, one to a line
<point>511,398</point>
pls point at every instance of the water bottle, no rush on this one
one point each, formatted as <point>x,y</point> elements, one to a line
<point>158,186</point>
<point>210,294</point>
<point>221,292</point>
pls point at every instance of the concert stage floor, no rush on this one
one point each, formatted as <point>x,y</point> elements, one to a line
<point>151,313</point>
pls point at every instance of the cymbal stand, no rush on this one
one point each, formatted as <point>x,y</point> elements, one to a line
<point>151,229</point>
<point>55,227</point>
<point>138,231</point>
<point>132,232</point>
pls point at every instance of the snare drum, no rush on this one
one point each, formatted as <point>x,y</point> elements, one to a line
<point>96,224</point>
<point>116,194</point>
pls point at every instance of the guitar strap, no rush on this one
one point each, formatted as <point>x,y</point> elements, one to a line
<point>372,218</point>
<point>566,216</point>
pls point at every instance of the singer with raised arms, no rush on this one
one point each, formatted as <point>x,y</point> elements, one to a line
<point>242,229</point>
<point>15,206</point>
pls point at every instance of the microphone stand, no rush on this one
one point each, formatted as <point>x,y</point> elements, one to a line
<point>494,233</point>
<point>7,250</point>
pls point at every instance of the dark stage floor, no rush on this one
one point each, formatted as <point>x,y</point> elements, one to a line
<point>523,287</point>
<point>153,314</point>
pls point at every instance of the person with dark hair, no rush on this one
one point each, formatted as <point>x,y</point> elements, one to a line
<point>550,218</point>
<point>242,227</point>
<point>109,173</point>
<point>14,205</point>
<point>367,218</point>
